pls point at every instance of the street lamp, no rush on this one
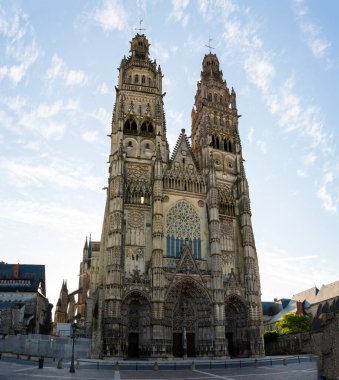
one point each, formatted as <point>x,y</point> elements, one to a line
<point>74,326</point>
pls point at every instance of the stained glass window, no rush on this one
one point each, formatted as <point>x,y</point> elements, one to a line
<point>182,227</point>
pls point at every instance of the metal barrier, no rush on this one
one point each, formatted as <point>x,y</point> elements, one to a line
<point>45,345</point>
<point>171,365</point>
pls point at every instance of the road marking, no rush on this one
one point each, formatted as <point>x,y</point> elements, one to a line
<point>213,375</point>
<point>116,375</point>
<point>25,369</point>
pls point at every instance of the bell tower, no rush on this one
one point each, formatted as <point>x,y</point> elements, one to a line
<point>138,116</point>
<point>234,263</point>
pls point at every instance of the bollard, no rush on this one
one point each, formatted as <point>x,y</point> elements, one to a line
<point>59,365</point>
<point>117,366</point>
<point>284,361</point>
<point>156,367</point>
<point>77,364</point>
<point>0,355</point>
<point>41,362</point>
<point>193,366</point>
<point>97,365</point>
<point>136,366</point>
<point>255,363</point>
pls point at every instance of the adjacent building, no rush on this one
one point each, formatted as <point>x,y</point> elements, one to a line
<point>24,308</point>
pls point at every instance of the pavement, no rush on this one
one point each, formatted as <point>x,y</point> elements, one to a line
<point>294,368</point>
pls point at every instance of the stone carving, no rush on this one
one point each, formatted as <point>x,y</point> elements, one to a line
<point>228,258</point>
<point>137,172</point>
<point>226,228</point>
<point>136,219</point>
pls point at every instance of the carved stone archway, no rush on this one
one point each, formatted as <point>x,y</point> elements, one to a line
<point>136,324</point>
<point>189,318</point>
<point>236,326</point>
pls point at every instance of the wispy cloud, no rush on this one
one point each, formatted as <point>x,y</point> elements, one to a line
<point>111,15</point>
<point>47,120</point>
<point>293,111</point>
<point>329,202</point>
<point>58,173</point>
<point>47,215</point>
<point>59,70</point>
<point>103,89</point>
<point>297,273</point>
<point>309,159</point>
<point>89,136</point>
<point>250,135</point>
<point>21,49</point>
<point>178,11</point>
<point>316,42</point>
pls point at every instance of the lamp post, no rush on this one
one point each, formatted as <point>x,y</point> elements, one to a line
<point>74,325</point>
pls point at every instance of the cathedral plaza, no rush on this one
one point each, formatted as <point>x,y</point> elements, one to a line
<point>278,368</point>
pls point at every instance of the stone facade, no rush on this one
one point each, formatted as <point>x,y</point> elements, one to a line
<point>177,270</point>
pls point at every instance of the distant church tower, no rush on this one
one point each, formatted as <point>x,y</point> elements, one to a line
<point>177,270</point>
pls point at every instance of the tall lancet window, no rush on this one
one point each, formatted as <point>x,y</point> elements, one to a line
<point>182,227</point>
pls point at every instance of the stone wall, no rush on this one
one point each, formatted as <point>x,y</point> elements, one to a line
<point>323,342</point>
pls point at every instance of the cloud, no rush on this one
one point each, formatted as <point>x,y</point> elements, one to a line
<point>309,159</point>
<point>296,273</point>
<point>178,11</point>
<point>316,43</point>
<point>20,46</point>
<point>158,51</point>
<point>103,89</point>
<point>49,215</point>
<point>41,120</point>
<point>89,136</point>
<point>58,173</point>
<point>69,77</point>
<point>301,173</point>
<point>111,15</point>
<point>250,135</point>
<point>262,146</point>
<point>329,203</point>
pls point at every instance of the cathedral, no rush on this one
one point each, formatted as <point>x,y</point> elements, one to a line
<point>175,273</point>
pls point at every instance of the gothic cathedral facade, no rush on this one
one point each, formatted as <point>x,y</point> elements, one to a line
<point>176,271</point>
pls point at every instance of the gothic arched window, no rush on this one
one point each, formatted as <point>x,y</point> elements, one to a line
<point>143,79</point>
<point>136,78</point>
<point>130,126</point>
<point>182,227</point>
<point>147,126</point>
<point>217,142</point>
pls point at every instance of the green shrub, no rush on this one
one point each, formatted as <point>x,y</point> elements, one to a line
<point>271,336</point>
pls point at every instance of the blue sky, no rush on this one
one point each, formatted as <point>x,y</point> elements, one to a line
<point>58,69</point>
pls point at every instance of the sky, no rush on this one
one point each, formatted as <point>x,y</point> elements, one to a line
<point>58,69</point>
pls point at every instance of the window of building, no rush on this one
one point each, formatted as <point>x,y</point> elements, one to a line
<point>136,78</point>
<point>182,227</point>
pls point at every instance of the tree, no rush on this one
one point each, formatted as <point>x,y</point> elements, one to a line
<point>292,323</point>
<point>271,336</point>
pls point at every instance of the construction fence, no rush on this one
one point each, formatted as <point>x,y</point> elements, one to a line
<point>46,345</point>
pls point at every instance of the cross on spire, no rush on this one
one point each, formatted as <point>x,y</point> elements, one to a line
<point>209,44</point>
<point>140,28</point>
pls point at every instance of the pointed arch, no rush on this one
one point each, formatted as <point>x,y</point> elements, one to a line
<point>188,310</point>
<point>236,325</point>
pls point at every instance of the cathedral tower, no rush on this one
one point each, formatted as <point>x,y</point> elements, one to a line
<point>177,273</point>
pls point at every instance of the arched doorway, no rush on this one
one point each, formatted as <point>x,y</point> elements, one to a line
<point>189,318</point>
<point>136,317</point>
<point>236,326</point>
